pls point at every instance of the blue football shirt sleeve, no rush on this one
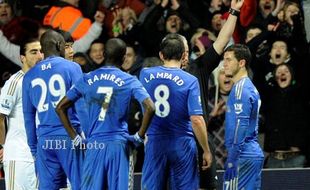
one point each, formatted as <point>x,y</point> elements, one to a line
<point>194,99</point>
<point>29,112</point>
<point>242,108</point>
<point>139,91</point>
<point>74,93</point>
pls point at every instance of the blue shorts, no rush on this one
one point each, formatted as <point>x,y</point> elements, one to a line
<point>56,161</point>
<point>249,175</point>
<point>172,161</point>
<point>108,166</point>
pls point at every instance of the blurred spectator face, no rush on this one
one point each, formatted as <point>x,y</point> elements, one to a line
<point>216,22</point>
<point>96,53</point>
<point>283,76</point>
<point>130,58</point>
<point>225,83</point>
<point>266,6</point>
<point>69,51</point>
<point>32,54</point>
<point>6,13</point>
<point>290,11</point>
<point>128,17</point>
<point>216,4</point>
<point>72,2</point>
<point>173,24</point>
<point>253,32</point>
<point>280,15</point>
<point>279,52</point>
<point>185,58</point>
<point>80,60</point>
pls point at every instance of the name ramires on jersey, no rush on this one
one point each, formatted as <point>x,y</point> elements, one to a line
<point>163,75</point>
<point>105,76</point>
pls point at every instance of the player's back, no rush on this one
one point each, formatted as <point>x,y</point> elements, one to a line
<point>107,92</point>
<point>46,83</point>
<point>172,91</point>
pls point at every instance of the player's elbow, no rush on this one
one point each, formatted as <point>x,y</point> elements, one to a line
<point>149,106</point>
<point>61,108</point>
<point>197,120</point>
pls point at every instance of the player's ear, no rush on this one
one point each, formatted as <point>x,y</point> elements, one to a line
<point>242,63</point>
<point>58,44</point>
<point>161,56</point>
<point>22,59</point>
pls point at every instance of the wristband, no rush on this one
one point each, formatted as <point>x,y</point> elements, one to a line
<point>138,138</point>
<point>234,12</point>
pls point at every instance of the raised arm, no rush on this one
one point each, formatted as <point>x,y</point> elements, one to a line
<point>9,50</point>
<point>83,44</point>
<point>229,27</point>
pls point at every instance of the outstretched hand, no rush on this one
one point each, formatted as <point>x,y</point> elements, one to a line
<point>236,4</point>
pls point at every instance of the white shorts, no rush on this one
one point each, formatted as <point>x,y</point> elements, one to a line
<point>19,175</point>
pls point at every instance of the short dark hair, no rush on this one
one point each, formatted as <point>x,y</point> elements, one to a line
<point>172,47</point>
<point>23,44</point>
<point>52,43</point>
<point>67,36</point>
<point>114,51</point>
<point>241,51</point>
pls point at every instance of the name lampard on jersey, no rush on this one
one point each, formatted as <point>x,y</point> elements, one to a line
<point>105,76</point>
<point>164,75</point>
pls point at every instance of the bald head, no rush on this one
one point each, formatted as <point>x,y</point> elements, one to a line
<point>115,50</point>
<point>52,43</point>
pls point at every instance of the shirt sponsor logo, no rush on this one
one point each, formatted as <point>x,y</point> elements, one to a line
<point>6,104</point>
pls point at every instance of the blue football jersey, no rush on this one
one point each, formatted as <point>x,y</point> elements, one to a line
<point>176,95</point>
<point>107,92</point>
<point>241,125</point>
<point>44,86</point>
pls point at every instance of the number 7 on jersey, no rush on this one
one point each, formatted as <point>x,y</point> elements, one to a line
<point>108,91</point>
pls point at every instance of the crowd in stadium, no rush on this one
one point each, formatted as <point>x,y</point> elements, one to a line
<point>277,33</point>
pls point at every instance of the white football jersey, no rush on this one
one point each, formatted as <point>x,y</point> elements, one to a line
<point>15,147</point>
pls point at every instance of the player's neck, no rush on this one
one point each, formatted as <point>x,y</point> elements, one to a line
<point>241,74</point>
<point>25,68</point>
<point>172,64</point>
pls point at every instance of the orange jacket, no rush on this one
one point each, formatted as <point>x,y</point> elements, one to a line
<point>69,19</point>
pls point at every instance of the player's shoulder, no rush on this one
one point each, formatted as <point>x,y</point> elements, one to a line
<point>245,87</point>
<point>147,70</point>
<point>188,75</point>
<point>13,82</point>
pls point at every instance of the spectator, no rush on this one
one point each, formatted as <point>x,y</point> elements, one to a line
<point>175,22</point>
<point>110,6</point>
<point>66,16</point>
<point>96,52</point>
<point>216,108</point>
<point>10,50</point>
<point>287,122</point>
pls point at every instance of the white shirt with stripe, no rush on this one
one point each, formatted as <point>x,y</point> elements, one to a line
<point>16,147</point>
